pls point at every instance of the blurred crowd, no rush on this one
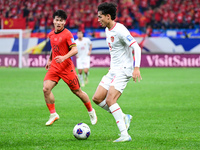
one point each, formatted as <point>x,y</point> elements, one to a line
<point>135,14</point>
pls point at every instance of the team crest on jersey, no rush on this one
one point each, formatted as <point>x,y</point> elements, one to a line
<point>129,37</point>
<point>112,38</point>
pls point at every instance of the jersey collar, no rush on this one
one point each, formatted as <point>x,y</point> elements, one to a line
<point>113,26</point>
<point>59,31</point>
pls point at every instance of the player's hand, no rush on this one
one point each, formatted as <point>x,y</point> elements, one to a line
<point>48,65</point>
<point>89,53</point>
<point>136,74</point>
<point>59,59</point>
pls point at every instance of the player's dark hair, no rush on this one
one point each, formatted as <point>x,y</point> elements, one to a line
<point>60,13</point>
<point>80,31</point>
<point>108,8</point>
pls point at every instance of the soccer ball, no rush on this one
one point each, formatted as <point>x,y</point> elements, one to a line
<point>81,131</point>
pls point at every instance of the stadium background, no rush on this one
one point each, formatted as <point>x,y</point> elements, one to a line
<point>169,27</point>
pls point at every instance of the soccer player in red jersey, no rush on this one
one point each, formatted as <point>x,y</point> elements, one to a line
<point>60,66</point>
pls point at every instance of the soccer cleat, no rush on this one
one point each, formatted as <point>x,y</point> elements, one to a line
<point>83,85</point>
<point>127,120</point>
<point>93,116</point>
<point>53,117</point>
<point>123,138</point>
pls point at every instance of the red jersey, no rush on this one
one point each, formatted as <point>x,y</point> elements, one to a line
<point>61,43</point>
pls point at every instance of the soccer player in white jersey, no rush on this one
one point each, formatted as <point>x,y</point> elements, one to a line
<point>84,46</point>
<point>121,44</point>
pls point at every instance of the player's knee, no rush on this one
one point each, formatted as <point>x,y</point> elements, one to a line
<point>76,92</point>
<point>96,99</point>
<point>46,90</point>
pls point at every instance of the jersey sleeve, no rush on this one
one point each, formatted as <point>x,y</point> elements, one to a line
<point>70,40</point>
<point>126,37</point>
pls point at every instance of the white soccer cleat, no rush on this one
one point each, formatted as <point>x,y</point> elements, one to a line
<point>53,117</point>
<point>123,138</point>
<point>127,120</point>
<point>93,116</point>
<point>82,85</point>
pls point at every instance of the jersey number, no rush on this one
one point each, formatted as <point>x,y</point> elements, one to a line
<point>56,48</point>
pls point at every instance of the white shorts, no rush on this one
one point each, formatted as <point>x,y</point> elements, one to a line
<point>116,78</point>
<point>83,63</point>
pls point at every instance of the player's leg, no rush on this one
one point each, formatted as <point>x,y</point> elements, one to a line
<point>99,97</point>
<point>86,68</point>
<point>117,113</point>
<point>80,76</point>
<point>86,71</point>
<point>85,99</point>
<point>101,92</point>
<point>48,85</point>
<point>72,81</point>
<point>80,70</point>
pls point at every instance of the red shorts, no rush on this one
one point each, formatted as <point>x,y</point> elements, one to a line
<point>70,78</point>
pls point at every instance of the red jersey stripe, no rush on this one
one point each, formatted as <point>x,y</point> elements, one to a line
<point>132,44</point>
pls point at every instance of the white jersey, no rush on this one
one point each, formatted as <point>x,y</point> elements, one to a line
<point>119,41</point>
<point>83,47</point>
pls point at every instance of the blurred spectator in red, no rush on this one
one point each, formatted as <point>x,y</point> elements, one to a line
<point>42,22</point>
<point>153,3</point>
<point>95,23</point>
<point>129,22</point>
<point>175,13</point>
<point>81,27</point>
<point>157,14</point>
<point>149,30</point>
<point>122,19</point>
<point>165,15</point>
<point>144,5</point>
<point>49,22</point>
<point>148,14</point>
<point>71,23</point>
<point>142,23</point>
<point>180,17</point>
<point>197,17</point>
<point>31,21</point>
<point>176,6</point>
<point>172,15</point>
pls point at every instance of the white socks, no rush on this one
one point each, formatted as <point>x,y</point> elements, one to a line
<point>118,115</point>
<point>80,76</point>
<point>104,105</point>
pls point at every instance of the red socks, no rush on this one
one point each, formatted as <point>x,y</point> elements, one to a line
<point>51,108</point>
<point>88,106</point>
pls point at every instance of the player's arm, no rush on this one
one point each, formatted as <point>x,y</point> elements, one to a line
<point>131,42</point>
<point>90,50</point>
<point>90,47</point>
<point>49,61</point>
<point>73,51</point>
<point>137,53</point>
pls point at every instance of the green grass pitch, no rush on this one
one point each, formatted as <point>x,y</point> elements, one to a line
<point>165,107</point>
